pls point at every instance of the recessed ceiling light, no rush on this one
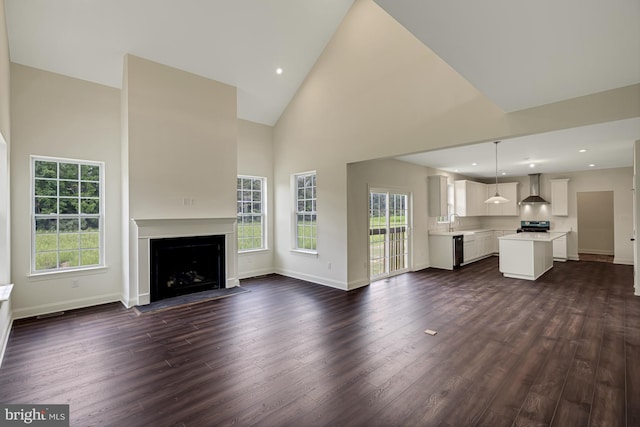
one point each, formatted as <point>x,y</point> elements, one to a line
<point>278,70</point>
<point>591,165</point>
<point>504,173</point>
<point>582,151</point>
<point>474,164</point>
<point>532,165</point>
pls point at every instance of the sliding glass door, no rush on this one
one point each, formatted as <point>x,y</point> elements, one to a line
<point>388,233</point>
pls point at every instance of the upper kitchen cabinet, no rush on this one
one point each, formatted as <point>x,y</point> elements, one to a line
<point>508,190</point>
<point>470,197</point>
<point>437,188</point>
<point>560,197</point>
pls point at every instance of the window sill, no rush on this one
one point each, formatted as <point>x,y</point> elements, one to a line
<point>253,251</point>
<point>46,275</point>
<point>305,252</point>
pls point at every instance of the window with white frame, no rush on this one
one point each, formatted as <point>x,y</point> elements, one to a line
<point>67,230</point>
<point>251,213</point>
<point>305,214</point>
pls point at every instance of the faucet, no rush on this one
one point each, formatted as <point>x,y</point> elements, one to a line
<point>451,218</point>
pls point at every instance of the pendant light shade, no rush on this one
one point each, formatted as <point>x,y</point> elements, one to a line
<point>497,198</point>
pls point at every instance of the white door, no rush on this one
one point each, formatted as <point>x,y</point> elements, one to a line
<point>389,233</point>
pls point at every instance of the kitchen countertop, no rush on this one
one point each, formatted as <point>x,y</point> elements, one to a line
<point>536,237</point>
<point>458,232</point>
<point>481,230</point>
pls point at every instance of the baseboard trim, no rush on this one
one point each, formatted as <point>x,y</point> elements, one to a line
<point>313,279</point>
<point>623,261</point>
<point>420,267</point>
<point>595,251</point>
<point>255,273</point>
<point>22,313</point>
<point>355,284</point>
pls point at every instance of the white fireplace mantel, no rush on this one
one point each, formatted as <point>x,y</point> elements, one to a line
<point>142,231</point>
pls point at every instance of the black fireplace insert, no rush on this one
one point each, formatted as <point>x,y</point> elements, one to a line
<point>184,265</point>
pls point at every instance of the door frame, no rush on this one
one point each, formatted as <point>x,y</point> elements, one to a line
<point>636,211</point>
<point>409,196</point>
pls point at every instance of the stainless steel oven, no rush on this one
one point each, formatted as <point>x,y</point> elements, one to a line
<point>534,226</point>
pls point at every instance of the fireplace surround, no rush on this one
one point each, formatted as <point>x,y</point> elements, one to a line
<point>143,231</point>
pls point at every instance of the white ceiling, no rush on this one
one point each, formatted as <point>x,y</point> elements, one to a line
<point>608,145</point>
<point>237,42</point>
<point>523,53</point>
<point>518,53</point>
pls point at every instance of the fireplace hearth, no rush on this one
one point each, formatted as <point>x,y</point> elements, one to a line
<point>184,265</point>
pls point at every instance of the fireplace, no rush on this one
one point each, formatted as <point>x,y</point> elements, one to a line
<point>184,265</point>
<point>143,232</point>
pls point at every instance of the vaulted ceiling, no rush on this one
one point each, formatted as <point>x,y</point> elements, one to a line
<point>519,54</point>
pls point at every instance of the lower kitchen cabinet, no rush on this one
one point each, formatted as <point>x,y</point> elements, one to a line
<point>441,252</point>
<point>469,248</point>
<point>560,249</point>
<point>477,245</point>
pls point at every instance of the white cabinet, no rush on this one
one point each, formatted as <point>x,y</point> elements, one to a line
<point>496,238</point>
<point>437,188</point>
<point>560,197</point>
<point>508,190</point>
<point>441,251</point>
<point>477,245</point>
<point>484,243</point>
<point>560,249</point>
<point>495,244</point>
<point>469,251</point>
<point>470,197</point>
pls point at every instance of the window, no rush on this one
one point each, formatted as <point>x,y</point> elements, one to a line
<point>450,205</point>
<point>67,221</point>
<point>305,228</point>
<point>251,205</point>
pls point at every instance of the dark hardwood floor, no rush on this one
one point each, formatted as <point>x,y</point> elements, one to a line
<point>561,351</point>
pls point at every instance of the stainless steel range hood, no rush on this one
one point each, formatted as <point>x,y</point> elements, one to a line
<point>534,191</point>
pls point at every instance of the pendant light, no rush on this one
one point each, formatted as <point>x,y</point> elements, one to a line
<point>497,198</point>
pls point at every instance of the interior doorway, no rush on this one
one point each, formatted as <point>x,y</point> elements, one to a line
<point>388,233</point>
<point>596,226</point>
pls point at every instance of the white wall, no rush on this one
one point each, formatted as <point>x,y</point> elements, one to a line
<point>255,158</point>
<point>392,175</point>
<point>5,206</point>
<point>54,115</point>
<point>372,93</point>
<point>5,217</point>
<point>5,122</point>
<point>376,92</point>
<point>182,133</point>
<point>179,150</point>
<point>5,73</point>
<point>620,181</point>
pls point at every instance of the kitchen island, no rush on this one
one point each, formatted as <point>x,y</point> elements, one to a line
<point>527,255</point>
